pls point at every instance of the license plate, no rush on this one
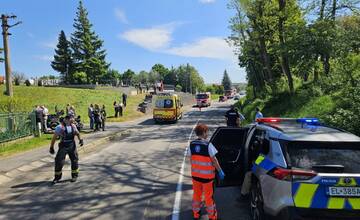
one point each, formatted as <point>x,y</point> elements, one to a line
<point>344,191</point>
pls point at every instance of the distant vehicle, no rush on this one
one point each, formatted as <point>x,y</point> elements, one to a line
<point>203,99</point>
<point>237,97</point>
<point>222,98</point>
<point>168,107</point>
<point>230,93</point>
<point>300,168</point>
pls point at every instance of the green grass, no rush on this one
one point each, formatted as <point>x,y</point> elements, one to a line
<point>302,104</point>
<point>215,97</point>
<point>11,148</point>
<point>25,98</point>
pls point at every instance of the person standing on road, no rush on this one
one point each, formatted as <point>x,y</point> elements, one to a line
<point>45,115</point>
<point>203,165</point>
<point>258,113</point>
<point>103,117</point>
<point>233,117</point>
<point>91,116</point>
<point>116,109</point>
<point>124,99</point>
<point>67,146</point>
<point>97,117</point>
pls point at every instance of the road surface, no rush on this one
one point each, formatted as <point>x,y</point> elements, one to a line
<point>132,177</point>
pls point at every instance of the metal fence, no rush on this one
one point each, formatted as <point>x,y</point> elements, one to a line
<point>16,125</point>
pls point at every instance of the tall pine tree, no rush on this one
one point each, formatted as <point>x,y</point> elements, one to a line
<point>62,62</point>
<point>89,57</point>
<point>226,82</point>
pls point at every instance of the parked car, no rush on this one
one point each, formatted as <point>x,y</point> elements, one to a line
<point>298,168</point>
<point>222,98</point>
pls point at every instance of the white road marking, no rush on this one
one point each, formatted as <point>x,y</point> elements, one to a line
<point>177,202</point>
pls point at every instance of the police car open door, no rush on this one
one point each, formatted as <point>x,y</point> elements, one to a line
<point>229,142</point>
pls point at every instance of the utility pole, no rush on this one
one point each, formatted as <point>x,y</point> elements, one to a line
<point>5,33</point>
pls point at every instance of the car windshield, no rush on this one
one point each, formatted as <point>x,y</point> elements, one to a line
<point>312,155</point>
<point>164,103</point>
<point>201,96</point>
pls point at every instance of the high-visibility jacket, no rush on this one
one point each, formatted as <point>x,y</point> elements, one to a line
<point>201,164</point>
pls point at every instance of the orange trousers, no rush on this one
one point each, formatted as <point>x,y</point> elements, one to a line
<point>208,190</point>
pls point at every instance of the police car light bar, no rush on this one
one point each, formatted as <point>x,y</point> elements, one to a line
<point>299,120</point>
<point>268,120</point>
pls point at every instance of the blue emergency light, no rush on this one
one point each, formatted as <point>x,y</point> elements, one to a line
<point>308,120</point>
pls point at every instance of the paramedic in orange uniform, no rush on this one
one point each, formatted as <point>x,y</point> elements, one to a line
<point>203,165</point>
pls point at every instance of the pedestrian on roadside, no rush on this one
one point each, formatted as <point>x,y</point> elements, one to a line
<point>203,166</point>
<point>124,99</point>
<point>67,109</point>
<point>45,115</point>
<point>39,117</point>
<point>72,111</point>
<point>97,117</point>
<point>116,109</point>
<point>67,146</point>
<point>121,108</point>
<point>91,116</point>
<point>258,113</point>
<point>103,117</point>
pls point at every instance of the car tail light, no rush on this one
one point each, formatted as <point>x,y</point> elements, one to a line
<point>289,174</point>
<point>268,120</point>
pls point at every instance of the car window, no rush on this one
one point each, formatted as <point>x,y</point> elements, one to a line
<point>258,144</point>
<point>164,103</point>
<point>202,96</point>
<point>311,155</point>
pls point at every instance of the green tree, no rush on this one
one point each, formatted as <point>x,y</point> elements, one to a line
<point>226,82</point>
<point>62,62</point>
<point>171,77</point>
<point>143,77</point>
<point>111,77</point>
<point>80,77</point>
<point>189,79</point>
<point>128,76</point>
<point>161,70</point>
<point>89,57</point>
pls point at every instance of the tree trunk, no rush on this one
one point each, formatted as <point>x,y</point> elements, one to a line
<point>333,11</point>
<point>322,9</point>
<point>285,66</point>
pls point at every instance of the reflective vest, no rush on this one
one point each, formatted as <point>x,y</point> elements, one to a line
<point>201,164</point>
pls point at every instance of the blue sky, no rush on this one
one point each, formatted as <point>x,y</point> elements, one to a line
<point>136,34</point>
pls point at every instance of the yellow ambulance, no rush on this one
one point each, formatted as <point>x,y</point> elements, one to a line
<point>167,107</point>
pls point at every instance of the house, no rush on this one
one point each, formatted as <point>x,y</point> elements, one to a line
<point>2,80</point>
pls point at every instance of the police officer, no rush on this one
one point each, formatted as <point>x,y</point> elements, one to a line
<point>67,146</point>
<point>233,117</point>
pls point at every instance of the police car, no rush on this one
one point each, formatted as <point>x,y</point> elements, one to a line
<point>299,168</point>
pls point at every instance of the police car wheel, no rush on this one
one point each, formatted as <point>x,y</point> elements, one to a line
<point>256,202</point>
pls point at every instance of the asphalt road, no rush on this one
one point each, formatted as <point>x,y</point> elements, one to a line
<point>133,177</point>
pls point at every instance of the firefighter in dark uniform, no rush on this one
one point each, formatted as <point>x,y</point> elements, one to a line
<point>67,146</point>
<point>233,117</point>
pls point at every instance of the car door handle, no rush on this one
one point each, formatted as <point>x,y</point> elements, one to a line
<point>237,158</point>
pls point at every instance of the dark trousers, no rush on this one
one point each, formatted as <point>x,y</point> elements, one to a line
<point>124,102</point>
<point>103,124</point>
<point>116,112</point>
<point>60,160</point>
<point>91,122</point>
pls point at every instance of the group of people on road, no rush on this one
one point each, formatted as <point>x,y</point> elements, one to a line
<point>97,117</point>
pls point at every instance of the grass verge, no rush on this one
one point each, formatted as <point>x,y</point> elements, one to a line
<point>11,148</point>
